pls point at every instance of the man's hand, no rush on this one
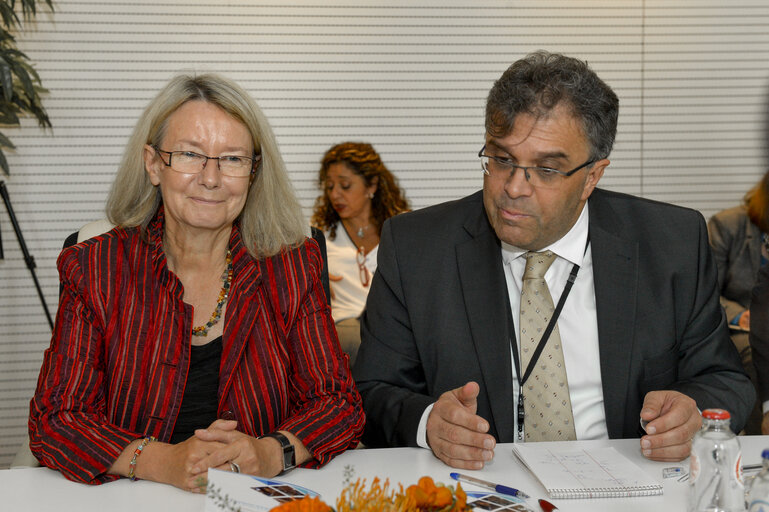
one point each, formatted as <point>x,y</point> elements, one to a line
<point>673,420</point>
<point>455,433</point>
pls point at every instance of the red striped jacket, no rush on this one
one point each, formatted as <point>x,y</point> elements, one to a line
<point>117,364</point>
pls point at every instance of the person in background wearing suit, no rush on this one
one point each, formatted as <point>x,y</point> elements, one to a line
<point>195,334</point>
<point>739,242</point>
<point>466,291</point>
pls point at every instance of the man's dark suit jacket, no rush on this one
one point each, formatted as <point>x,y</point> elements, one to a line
<point>759,331</point>
<point>436,317</point>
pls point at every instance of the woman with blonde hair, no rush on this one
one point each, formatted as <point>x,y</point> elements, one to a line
<point>359,195</point>
<point>194,334</point>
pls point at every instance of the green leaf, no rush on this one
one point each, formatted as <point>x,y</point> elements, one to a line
<point>5,141</point>
<point>20,83</point>
<point>8,117</point>
<point>16,53</point>
<point>7,12</point>
<point>6,38</point>
<point>29,7</point>
<point>6,79</point>
<point>23,77</point>
<point>4,163</point>
<point>31,71</point>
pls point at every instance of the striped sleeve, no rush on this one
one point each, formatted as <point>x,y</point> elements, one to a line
<point>67,424</point>
<point>328,415</point>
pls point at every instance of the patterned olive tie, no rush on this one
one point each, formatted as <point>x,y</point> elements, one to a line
<point>546,391</point>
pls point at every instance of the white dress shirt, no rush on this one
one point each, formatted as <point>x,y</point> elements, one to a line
<point>577,324</point>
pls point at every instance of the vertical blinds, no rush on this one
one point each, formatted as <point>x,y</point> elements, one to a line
<point>411,78</point>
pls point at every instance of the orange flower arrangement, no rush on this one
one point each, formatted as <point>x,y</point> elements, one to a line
<point>306,504</point>
<point>426,496</point>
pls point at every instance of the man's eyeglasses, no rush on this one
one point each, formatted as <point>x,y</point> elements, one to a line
<point>362,269</point>
<point>540,177</point>
<point>189,162</point>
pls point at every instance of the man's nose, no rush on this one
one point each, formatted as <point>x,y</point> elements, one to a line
<point>516,184</point>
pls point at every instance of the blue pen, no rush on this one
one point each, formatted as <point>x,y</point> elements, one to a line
<point>503,489</point>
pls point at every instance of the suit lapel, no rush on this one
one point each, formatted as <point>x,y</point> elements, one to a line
<point>485,291</point>
<point>615,260</point>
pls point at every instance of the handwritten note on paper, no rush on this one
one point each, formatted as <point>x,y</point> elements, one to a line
<point>581,473</point>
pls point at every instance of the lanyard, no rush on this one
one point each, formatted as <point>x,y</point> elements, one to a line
<point>540,346</point>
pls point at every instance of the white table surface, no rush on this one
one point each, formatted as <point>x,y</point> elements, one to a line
<point>34,489</point>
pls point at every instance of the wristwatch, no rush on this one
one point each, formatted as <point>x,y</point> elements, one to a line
<point>289,455</point>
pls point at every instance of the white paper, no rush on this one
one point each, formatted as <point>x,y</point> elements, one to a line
<point>227,491</point>
<point>594,473</point>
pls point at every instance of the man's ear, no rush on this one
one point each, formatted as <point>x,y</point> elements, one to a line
<point>594,175</point>
<point>151,164</point>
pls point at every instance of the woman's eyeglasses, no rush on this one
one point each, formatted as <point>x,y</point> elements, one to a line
<point>188,162</point>
<point>362,269</point>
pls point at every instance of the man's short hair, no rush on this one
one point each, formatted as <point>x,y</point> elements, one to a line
<point>542,80</point>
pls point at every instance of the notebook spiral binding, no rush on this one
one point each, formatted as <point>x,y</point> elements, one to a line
<point>598,492</point>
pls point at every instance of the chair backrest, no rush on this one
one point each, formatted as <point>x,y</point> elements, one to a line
<point>317,234</point>
<point>90,230</point>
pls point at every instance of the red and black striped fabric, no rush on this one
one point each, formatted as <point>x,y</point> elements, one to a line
<point>117,364</point>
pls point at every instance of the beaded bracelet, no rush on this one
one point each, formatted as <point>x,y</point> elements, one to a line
<point>137,452</point>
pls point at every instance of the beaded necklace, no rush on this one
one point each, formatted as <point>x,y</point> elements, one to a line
<point>223,295</point>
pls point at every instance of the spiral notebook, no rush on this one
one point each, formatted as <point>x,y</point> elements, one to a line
<point>585,473</point>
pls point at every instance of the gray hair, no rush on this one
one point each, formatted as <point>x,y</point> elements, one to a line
<point>539,82</point>
<point>271,219</point>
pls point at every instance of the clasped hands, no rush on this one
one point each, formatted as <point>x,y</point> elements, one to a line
<point>217,446</point>
<point>459,437</point>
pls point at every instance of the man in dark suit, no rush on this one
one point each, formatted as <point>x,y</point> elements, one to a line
<point>642,334</point>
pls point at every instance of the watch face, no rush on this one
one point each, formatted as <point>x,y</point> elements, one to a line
<point>289,454</point>
<point>289,459</point>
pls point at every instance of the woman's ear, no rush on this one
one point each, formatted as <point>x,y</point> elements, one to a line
<point>374,185</point>
<point>151,164</point>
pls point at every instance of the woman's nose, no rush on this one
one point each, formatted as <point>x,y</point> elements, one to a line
<point>210,176</point>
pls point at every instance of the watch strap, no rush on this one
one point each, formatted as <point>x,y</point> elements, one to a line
<point>289,454</point>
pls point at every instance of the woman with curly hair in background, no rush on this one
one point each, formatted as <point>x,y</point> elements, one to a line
<point>359,194</point>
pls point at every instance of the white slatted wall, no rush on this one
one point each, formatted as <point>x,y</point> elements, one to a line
<point>409,77</point>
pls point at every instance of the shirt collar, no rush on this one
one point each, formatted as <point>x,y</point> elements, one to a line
<point>570,246</point>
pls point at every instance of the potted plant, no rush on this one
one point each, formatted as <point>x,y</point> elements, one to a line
<point>20,85</point>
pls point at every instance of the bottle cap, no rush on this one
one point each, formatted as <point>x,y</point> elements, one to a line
<point>715,414</point>
<point>765,453</point>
